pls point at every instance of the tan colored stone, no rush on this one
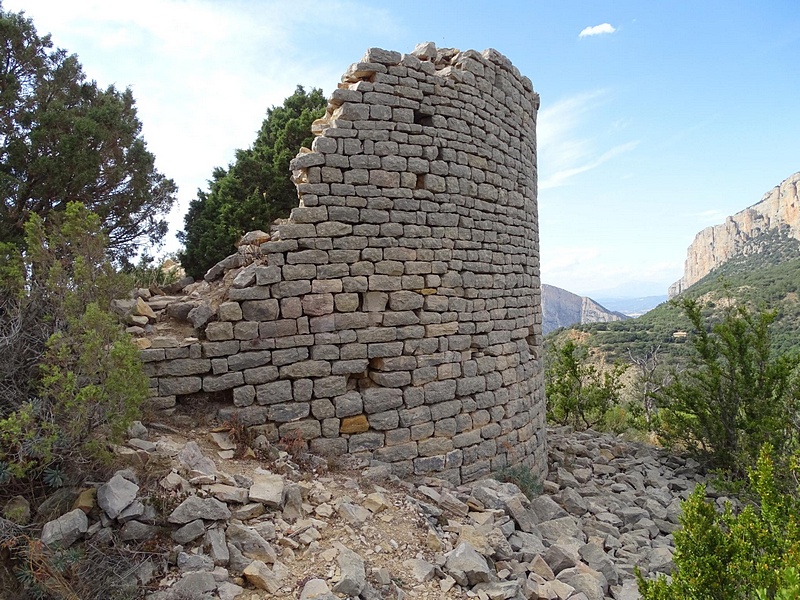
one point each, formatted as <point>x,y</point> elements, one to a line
<point>142,343</point>
<point>141,309</point>
<point>86,500</point>
<point>356,424</point>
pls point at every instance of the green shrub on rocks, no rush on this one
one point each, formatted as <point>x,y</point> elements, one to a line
<point>729,556</point>
<point>77,374</point>
<point>579,393</point>
<point>521,476</point>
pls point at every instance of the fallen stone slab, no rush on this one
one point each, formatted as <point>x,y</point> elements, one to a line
<point>466,565</point>
<point>65,530</point>
<point>353,575</point>
<point>116,495</point>
<point>209,509</point>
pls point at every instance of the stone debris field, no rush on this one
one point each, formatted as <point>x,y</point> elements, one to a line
<point>240,530</point>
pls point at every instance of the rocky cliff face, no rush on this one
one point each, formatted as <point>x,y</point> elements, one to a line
<point>561,308</point>
<point>779,209</point>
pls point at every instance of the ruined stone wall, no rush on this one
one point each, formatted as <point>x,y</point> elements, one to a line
<point>397,313</point>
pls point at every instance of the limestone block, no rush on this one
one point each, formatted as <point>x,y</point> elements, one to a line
<point>229,311</point>
<point>308,368</point>
<point>217,383</point>
<point>274,392</point>
<point>317,304</point>
<point>283,413</point>
<point>260,310</point>
<point>219,331</point>
<point>179,386</point>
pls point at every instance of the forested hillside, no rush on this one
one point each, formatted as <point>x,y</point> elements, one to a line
<point>768,279</point>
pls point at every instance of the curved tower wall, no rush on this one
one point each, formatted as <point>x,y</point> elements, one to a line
<point>397,313</point>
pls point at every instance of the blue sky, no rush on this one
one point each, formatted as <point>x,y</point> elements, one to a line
<point>661,119</point>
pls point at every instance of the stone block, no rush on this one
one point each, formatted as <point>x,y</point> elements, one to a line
<point>179,386</point>
<point>381,399</point>
<point>260,375</point>
<point>348,404</point>
<point>216,349</point>
<point>361,442</point>
<point>274,392</point>
<point>217,383</point>
<point>384,420</point>
<point>260,310</point>
<point>307,368</point>
<point>245,330</point>
<point>354,424</point>
<point>317,304</point>
<point>229,311</point>
<point>283,413</point>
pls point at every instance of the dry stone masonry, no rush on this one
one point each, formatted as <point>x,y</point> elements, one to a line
<point>396,314</point>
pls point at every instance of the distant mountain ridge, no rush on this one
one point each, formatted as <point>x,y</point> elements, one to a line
<point>561,308</point>
<point>744,233</point>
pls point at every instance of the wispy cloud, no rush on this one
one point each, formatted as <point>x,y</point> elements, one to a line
<point>561,177</point>
<point>563,151</point>
<point>601,29</point>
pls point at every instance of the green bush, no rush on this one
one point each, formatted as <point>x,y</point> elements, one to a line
<point>523,478</point>
<point>578,393</point>
<point>735,396</point>
<point>728,556</point>
<point>82,379</point>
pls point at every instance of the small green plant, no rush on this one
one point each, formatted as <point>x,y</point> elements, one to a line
<point>729,556</point>
<point>523,478</point>
<point>579,393</point>
<point>54,477</point>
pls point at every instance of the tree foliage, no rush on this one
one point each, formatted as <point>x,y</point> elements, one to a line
<point>729,556</point>
<point>579,393</point>
<point>64,139</point>
<point>736,395</point>
<point>254,190</point>
<point>67,369</point>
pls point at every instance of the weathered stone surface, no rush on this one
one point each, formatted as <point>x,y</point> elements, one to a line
<point>249,543</point>
<point>267,488</point>
<point>262,577</point>
<point>466,564</point>
<point>193,460</point>
<point>136,531</point>
<point>316,589</point>
<point>189,532</point>
<point>194,585</point>
<point>193,508</point>
<point>353,575</point>
<point>116,495</point>
<point>65,530</point>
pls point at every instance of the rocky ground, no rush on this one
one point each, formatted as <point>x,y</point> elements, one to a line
<point>294,526</point>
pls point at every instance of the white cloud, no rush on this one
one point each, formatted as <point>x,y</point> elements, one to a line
<point>563,152</point>
<point>559,178</point>
<point>204,73</point>
<point>597,30</point>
